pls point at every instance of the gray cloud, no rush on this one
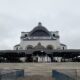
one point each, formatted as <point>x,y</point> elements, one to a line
<point>23,15</point>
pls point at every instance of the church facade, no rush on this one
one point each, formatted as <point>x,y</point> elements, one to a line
<point>38,42</point>
<point>40,38</point>
<point>40,45</point>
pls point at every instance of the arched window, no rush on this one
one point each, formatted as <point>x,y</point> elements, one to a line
<point>53,35</point>
<point>29,47</point>
<point>39,46</point>
<point>25,35</point>
<point>50,47</point>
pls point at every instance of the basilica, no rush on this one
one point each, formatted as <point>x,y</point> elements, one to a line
<point>40,38</point>
<point>40,45</point>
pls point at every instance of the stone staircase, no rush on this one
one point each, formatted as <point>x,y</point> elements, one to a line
<point>39,68</point>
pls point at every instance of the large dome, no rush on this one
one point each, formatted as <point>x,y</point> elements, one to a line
<point>40,31</point>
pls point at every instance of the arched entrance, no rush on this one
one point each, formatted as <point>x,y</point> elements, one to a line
<point>40,56</point>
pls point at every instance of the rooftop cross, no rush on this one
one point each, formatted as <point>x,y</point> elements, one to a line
<point>39,24</point>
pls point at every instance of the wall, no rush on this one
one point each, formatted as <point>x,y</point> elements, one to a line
<point>54,43</point>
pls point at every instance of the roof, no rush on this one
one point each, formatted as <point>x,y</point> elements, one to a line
<point>23,53</point>
<point>17,45</point>
<point>39,31</point>
<point>62,44</point>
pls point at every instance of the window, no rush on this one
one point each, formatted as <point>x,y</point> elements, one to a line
<point>54,35</point>
<point>25,35</point>
<point>29,47</point>
<point>50,47</point>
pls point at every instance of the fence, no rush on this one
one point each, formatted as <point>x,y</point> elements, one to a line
<point>66,74</point>
<point>11,74</point>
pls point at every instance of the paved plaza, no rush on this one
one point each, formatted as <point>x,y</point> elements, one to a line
<point>40,68</point>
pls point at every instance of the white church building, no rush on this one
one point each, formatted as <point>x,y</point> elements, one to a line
<point>40,38</point>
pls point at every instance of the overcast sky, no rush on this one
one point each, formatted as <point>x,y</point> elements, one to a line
<point>23,15</point>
